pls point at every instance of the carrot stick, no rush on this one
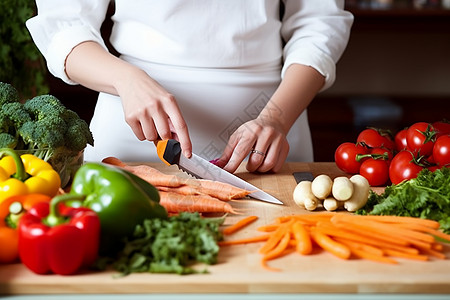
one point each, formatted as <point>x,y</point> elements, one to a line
<point>302,238</point>
<point>239,225</point>
<point>254,239</point>
<point>174,202</point>
<point>278,251</point>
<point>404,220</point>
<point>330,245</point>
<point>268,228</point>
<point>401,254</point>
<point>360,246</point>
<point>371,256</point>
<point>274,238</point>
<point>432,231</point>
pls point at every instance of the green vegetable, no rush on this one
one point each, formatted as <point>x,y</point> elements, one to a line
<point>171,245</point>
<point>21,63</point>
<point>119,201</point>
<point>427,196</point>
<point>44,127</point>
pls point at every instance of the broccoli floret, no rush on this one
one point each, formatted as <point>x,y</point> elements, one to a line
<point>8,93</point>
<point>43,106</point>
<point>15,112</point>
<point>7,140</point>
<point>78,134</point>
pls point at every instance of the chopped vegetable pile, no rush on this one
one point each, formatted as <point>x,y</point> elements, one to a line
<point>426,196</point>
<point>172,245</point>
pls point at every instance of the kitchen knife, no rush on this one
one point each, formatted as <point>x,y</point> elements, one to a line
<point>169,151</point>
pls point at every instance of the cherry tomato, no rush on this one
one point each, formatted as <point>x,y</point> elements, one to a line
<point>403,167</point>
<point>441,150</point>
<point>376,171</point>
<point>400,140</point>
<point>441,128</point>
<point>375,138</point>
<point>386,153</point>
<point>420,138</point>
<point>345,156</point>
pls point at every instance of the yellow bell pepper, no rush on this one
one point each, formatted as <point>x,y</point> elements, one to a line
<point>26,174</point>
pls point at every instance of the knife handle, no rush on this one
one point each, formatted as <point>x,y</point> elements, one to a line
<point>169,151</point>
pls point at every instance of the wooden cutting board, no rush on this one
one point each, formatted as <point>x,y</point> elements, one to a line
<point>239,269</point>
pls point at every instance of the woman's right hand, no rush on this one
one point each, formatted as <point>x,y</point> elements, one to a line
<point>151,111</point>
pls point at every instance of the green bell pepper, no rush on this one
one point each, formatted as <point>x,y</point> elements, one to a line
<point>121,199</point>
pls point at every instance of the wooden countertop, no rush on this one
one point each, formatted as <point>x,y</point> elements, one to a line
<point>239,269</point>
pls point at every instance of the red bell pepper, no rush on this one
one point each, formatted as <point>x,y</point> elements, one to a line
<point>11,209</point>
<point>55,238</point>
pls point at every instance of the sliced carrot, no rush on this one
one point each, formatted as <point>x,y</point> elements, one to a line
<point>221,190</point>
<point>330,245</point>
<point>401,254</point>
<point>239,225</point>
<point>371,256</point>
<point>360,246</point>
<point>403,220</point>
<point>302,238</point>
<point>249,240</point>
<point>278,251</point>
<point>274,238</point>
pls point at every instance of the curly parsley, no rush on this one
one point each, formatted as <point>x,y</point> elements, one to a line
<point>172,245</point>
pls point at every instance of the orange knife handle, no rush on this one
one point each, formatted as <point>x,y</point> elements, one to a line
<point>169,151</point>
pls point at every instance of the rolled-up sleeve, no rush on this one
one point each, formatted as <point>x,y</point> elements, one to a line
<point>316,34</point>
<point>60,25</point>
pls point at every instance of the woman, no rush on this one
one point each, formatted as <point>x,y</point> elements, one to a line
<point>228,79</point>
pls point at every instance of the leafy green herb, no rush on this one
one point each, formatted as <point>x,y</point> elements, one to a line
<point>172,245</point>
<point>427,196</point>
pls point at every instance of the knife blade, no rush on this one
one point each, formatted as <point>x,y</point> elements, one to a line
<point>169,151</point>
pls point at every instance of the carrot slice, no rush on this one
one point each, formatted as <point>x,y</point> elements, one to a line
<point>254,239</point>
<point>239,225</point>
<point>302,238</point>
<point>330,245</point>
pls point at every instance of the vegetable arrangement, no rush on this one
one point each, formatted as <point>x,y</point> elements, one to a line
<point>44,127</point>
<point>342,192</point>
<point>180,194</point>
<point>382,158</point>
<point>347,236</point>
<point>426,196</point>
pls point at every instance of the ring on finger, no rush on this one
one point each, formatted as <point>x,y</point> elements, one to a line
<point>258,152</point>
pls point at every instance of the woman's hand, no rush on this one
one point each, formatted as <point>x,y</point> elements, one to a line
<point>263,140</point>
<point>151,111</point>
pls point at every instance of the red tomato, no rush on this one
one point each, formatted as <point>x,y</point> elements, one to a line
<point>386,153</point>
<point>376,171</point>
<point>345,156</point>
<point>400,140</point>
<point>420,138</point>
<point>375,138</point>
<point>441,128</point>
<point>403,167</point>
<point>441,151</point>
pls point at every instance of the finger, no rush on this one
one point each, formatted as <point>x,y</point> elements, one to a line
<point>161,124</point>
<point>257,156</point>
<point>239,153</point>
<point>180,131</point>
<point>137,129</point>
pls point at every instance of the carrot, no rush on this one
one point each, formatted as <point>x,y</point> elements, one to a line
<point>254,239</point>
<point>278,251</point>
<point>401,254</point>
<point>149,174</point>
<point>372,256</point>
<point>404,220</point>
<point>302,238</point>
<point>330,245</point>
<point>274,238</point>
<point>174,202</point>
<point>360,246</point>
<point>239,225</point>
<point>221,190</point>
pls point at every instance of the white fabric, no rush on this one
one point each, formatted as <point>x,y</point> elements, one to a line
<point>221,60</point>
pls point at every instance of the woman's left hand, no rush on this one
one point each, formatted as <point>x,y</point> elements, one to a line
<point>264,142</point>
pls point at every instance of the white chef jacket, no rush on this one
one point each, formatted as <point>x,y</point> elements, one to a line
<point>222,60</point>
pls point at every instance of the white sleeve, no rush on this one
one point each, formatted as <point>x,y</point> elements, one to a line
<point>316,34</point>
<point>59,26</point>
